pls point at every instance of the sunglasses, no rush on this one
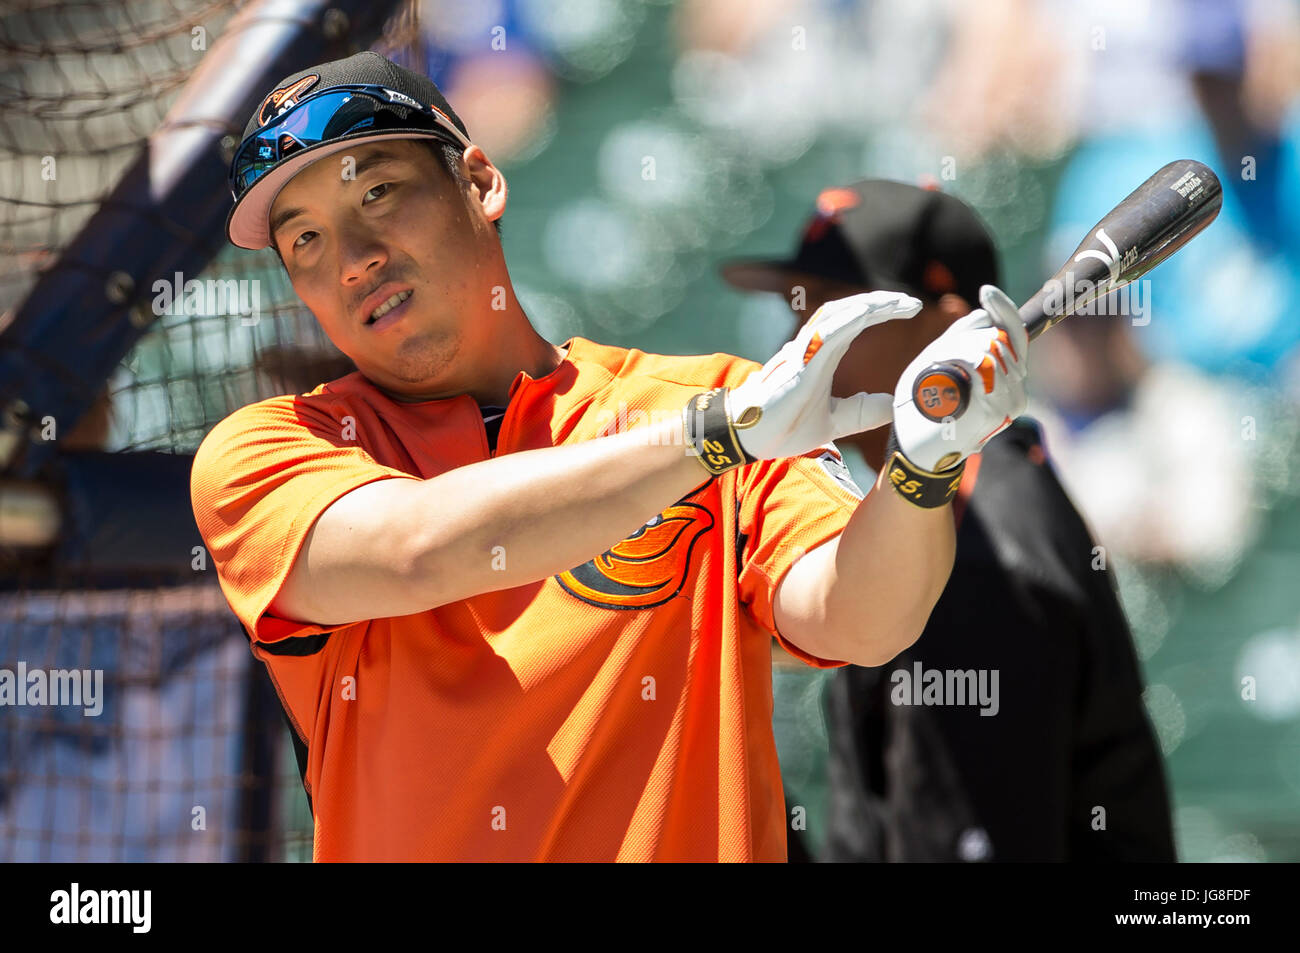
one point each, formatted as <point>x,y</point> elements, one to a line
<point>331,114</point>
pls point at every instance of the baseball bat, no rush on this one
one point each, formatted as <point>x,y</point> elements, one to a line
<point>1157,218</point>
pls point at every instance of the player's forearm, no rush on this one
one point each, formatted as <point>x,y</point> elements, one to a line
<point>518,518</point>
<point>867,595</point>
<point>905,554</point>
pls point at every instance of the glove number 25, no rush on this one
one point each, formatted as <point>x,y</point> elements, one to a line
<point>715,453</point>
<point>905,486</point>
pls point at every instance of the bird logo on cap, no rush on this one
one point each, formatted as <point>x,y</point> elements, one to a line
<point>285,96</point>
<point>830,203</point>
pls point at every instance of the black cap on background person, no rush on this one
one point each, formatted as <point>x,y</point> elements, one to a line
<point>879,234</point>
<point>889,236</point>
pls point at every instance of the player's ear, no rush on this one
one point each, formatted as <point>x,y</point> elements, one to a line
<point>487,183</point>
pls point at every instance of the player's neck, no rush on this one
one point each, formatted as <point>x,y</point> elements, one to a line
<point>513,345</point>
<point>492,364</point>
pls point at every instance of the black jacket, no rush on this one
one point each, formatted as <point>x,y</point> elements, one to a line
<point>1068,767</point>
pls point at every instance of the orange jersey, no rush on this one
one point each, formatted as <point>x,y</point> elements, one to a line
<point>618,711</point>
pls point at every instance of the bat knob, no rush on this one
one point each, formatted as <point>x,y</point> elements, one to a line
<point>942,390</point>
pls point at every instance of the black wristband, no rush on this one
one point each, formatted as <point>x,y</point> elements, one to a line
<point>710,435</point>
<point>920,487</point>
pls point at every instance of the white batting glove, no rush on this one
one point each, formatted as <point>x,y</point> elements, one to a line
<point>994,347</point>
<point>786,408</point>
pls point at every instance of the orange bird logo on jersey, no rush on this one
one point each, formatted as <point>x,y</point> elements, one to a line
<point>646,569</point>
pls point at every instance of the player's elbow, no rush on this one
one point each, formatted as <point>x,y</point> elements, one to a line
<point>875,635</point>
<point>873,632</point>
<point>872,650</point>
<point>362,559</point>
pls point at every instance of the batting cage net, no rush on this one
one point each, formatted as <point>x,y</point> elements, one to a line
<point>137,724</point>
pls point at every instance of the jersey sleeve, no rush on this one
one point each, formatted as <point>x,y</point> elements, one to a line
<point>261,478</point>
<point>785,508</point>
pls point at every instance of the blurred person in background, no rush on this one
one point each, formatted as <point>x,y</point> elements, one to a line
<point>488,57</point>
<point>1060,763</point>
<point>1158,384</point>
<point>1183,437</point>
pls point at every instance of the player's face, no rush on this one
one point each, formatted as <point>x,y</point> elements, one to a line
<point>876,357</point>
<point>383,226</point>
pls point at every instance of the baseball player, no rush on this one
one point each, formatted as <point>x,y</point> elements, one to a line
<point>1060,762</point>
<point>518,599</point>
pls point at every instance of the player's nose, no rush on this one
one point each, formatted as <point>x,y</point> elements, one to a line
<point>360,252</point>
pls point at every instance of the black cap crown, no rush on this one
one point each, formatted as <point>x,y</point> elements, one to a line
<point>360,69</point>
<point>247,224</point>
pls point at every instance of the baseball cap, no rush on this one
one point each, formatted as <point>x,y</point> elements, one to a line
<point>885,235</point>
<point>322,110</point>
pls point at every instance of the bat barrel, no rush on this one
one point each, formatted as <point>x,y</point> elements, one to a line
<point>1159,217</point>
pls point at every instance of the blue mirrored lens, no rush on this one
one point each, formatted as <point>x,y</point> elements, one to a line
<point>328,116</point>
<point>309,124</point>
